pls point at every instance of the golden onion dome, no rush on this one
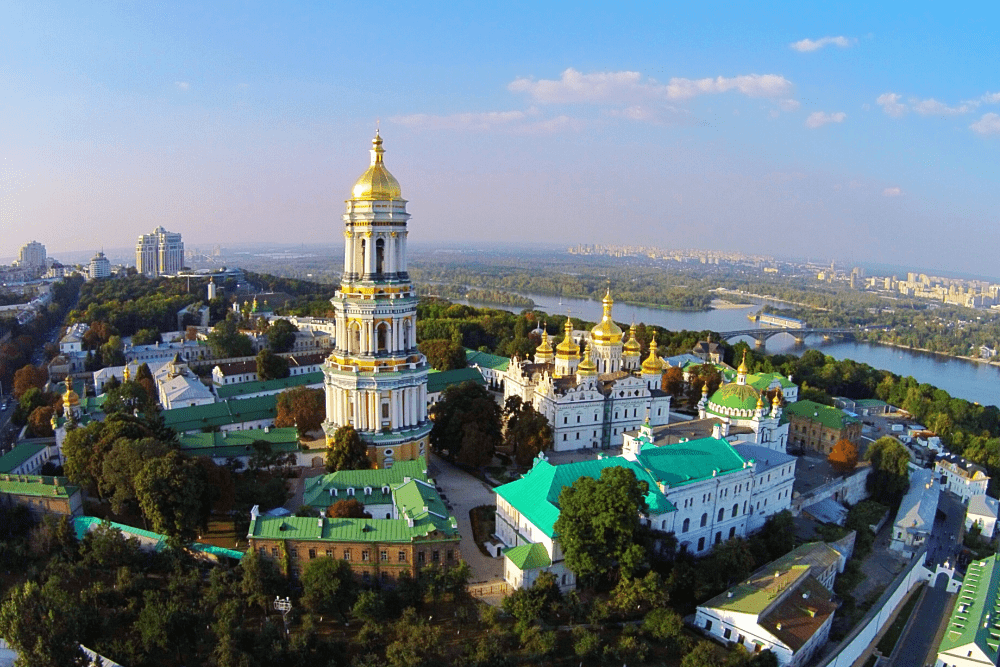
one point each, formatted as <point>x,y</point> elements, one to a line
<point>606,330</point>
<point>71,398</point>
<point>743,365</point>
<point>653,363</point>
<point>567,348</point>
<point>760,402</point>
<point>376,182</point>
<point>776,402</point>
<point>587,366</point>
<point>545,347</point>
<point>632,347</point>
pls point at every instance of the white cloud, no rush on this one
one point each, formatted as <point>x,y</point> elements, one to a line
<point>789,105</point>
<point>988,124</point>
<point>514,121</point>
<point>990,98</point>
<point>805,45</point>
<point>892,192</point>
<point>182,85</point>
<point>931,107</point>
<point>628,87</point>
<point>891,105</point>
<point>821,118</point>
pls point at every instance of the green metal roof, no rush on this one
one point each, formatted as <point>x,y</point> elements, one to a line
<point>528,556</point>
<point>754,595</point>
<point>19,455</point>
<point>35,485</point>
<point>441,380</point>
<point>736,396</point>
<point>232,411</point>
<point>976,616</point>
<point>829,417</point>
<point>687,462</point>
<point>227,444</point>
<point>316,491</point>
<point>486,360</point>
<point>244,388</point>
<point>762,381</point>
<point>870,403</point>
<point>536,494</point>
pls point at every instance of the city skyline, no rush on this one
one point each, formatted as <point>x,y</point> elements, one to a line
<point>851,134</point>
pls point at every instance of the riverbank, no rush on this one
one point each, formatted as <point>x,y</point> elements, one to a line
<point>976,360</point>
<point>722,304</point>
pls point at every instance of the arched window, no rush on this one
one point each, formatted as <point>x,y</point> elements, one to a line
<point>687,526</point>
<point>383,335</point>
<point>379,256</point>
<point>736,509</point>
<point>354,339</point>
<point>704,521</point>
<point>722,514</point>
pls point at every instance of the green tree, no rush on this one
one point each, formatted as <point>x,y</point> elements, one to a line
<point>271,366</point>
<point>598,524</point>
<point>127,397</point>
<point>227,341</point>
<point>301,407</point>
<point>667,627</point>
<point>347,451</point>
<point>890,476</point>
<point>527,605</point>
<point>258,580</point>
<point>466,424</point>
<point>122,465</point>
<point>112,352</point>
<point>328,587</point>
<point>281,336</point>
<point>443,355</point>
<point>704,654</point>
<point>527,431</point>
<point>36,623</point>
<point>170,491</point>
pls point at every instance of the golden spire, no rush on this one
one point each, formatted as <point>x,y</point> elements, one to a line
<point>653,363</point>
<point>607,331</point>
<point>632,346</point>
<point>376,182</point>
<point>125,374</point>
<point>567,348</point>
<point>587,366</point>
<point>776,401</point>
<point>545,346</point>
<point>743,365</point>
<point>760,402</point>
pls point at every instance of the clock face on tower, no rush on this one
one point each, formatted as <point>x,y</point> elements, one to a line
<point>376,380</point>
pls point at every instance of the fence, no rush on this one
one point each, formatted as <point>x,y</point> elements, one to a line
<point>855,645</point>
<point>483,590</point>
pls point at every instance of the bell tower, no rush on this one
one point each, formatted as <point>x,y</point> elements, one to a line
<point>376,379</point>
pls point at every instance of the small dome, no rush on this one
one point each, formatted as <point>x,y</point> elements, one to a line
<point>632,347</point>
<point>743,365</point>
<point>736,397</point>
<point>776,402</point>
<point>376,182</point>
<point>653,363</point>
<point>545,347</point>
<point>71,398</point>
<point>568,348</point>
<point>587,366</point>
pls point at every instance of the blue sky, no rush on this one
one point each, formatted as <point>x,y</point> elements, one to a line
<point>866,132</point>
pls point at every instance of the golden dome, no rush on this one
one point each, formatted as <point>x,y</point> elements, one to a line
<point>743,365</point>
<point>545,347</point>
<point>567,348</point>
<point>653,363</point>
<point>607,331</point>
<point>71,398</point>
<point>587,366</point>
<point>376,182</point>
<point>632,346</point>
<point>776,402</point>
<point>760,402</point>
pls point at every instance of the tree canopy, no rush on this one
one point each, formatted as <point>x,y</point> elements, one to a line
<point>271,366</point>
<point>598,524</point>
<point>466,424</point>
<point>443,354</point>
<point>844,455</point>
<point>301,407</point>
<point>281,336</point>
<point>227,341</point>
<point>347,451</point>
<point>890,477</point>
<point>527,432</point>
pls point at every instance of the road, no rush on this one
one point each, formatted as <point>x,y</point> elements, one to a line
<point>945,541</point>
<point>917,640</point>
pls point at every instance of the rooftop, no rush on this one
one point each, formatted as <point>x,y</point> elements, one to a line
<point>19,455</point>
<point>244,388</point>
<point>441,380</point>
<point>232,411</point>
<point>317,491</point>
<point>34,485</point>
<point>976,616</point>
<point>486,360</point>
<point>919,505</point>
<point>827,416</point>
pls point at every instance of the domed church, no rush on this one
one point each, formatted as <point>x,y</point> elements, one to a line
<point>592,394</point>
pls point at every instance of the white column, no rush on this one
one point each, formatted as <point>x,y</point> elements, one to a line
<point>369,254</point>
<point>423,403</point>
<point>356,421</point>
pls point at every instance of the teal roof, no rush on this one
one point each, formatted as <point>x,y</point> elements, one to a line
<point>486,360</point>
<point>35,485</point>
<point>686,462</point>
<point>317,490</point>
<point>441,380</point>
<point>227,444</point>
<point>826,415</point>
<point>529,556</point>
<point>870,403</point>
<point>536,494</point>
<point>276,386</point>
<point>232,411</point>
<point>762,381</point>
<point>84,524</point>
<point>975,618</point>
<point>19,455</point>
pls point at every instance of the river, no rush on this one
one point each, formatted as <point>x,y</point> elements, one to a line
<point>960,378</point>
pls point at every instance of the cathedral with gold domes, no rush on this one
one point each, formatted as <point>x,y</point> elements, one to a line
<point>375,379</point>
<point>592,394</point>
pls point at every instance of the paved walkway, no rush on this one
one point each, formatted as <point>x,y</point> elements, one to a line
<point>917,641</point>
<point>464,492</point>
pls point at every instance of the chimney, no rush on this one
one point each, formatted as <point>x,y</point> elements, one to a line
<point>717,431</point>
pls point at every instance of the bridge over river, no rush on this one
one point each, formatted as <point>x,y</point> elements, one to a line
<point>760,335</point>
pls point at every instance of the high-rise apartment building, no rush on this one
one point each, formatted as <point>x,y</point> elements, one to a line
<point>159,253</point>
<point>100,267</point>
<point>32,256</point>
